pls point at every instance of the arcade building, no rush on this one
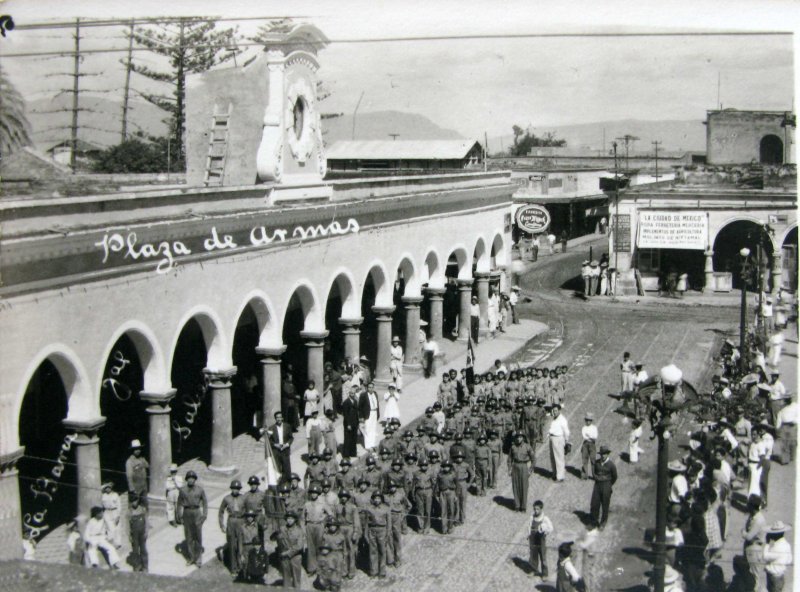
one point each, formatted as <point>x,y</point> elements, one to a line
<point>169,316</point>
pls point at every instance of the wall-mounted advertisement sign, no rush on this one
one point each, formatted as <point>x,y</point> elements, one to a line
<point>533,219</point>
<point>672,230</point>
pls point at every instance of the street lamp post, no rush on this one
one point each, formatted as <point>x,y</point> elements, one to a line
<point>745,271</point>
<point>672,400</point>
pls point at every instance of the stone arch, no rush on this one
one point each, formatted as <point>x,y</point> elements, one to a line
<point>410,276</point>
<point>309,304</point>
<point>738,218</point>
<point>217,351</point>
<point>383,286</point>
<point>343,279</point>
<point>151,356</point>
<point>480,257</point>
<point>433,269</point>
<point>785,235</point>
<point>498,252</point>
<point>738,232</point>
<point>264,312</point>
<point>770,150</point>
<point>82,401</point>
<point>461,258</point>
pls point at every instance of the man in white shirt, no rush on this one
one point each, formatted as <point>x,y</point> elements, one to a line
<point>679,487</point>
<point>396,362</point>
<point>474,320</point>
<point>777,555</point>
<point>586,274</point>
<point>559,435</point>
<point>640,402</point>
<point>776,394</point>
<point>430,351</point>
<point>513,300</point>
<point>588,447</point>
<point>535,248</point>
<point>786,424</point>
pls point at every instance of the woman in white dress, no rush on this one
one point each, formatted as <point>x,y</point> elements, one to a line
<point>392,398</point>
<point>493,312</point>
<point>603,279</point>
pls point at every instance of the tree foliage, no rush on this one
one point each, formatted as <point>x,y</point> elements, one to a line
<point>14,126</point>
<point>524,140</point>
<point>140,154</point>
<point>190,45</point>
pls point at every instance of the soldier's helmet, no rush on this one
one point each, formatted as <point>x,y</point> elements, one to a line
<point>313,455</point>
<point>437,405</point>
<point>290,514</point>
<point>343,493</point>
<point>327,452</point>
<point>458,456</point>
<point>236,484</point>
<point>370,460</point>
<point>408,434</point>
<point>191,475</point>
<point>397,463</point>
<point>331,523</point>
<point>385,452</point>
<point>423,462</point>
<point>284,488</point>
<point>326,484</point>
<point>428,410</point>
<point>364,481</point>
<point>253,480</point>
<point>447,465</point>
<point>295,477</point>
<point>433,454</point>
<point>377,495</point>
<point>458,437</point>
<point>481,438</point>
<point>434,436</point>
<point>411,457</point>
<point>391,484</point>
<point>315,488</point>
<point>345,462</point>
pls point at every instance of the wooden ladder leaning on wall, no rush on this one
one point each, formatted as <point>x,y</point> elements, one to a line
<point>217,147</point>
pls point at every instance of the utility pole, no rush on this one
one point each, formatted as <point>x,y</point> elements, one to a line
<point>75,89</point>
<point>616,213</point>
<point>628,138</point>
<point>355,111</point>
<point>394,136</point>
<point>485,151</point>
<point>656,144</point>
<point>126,92</point>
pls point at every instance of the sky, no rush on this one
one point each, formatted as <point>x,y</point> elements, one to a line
<point>478,83</point>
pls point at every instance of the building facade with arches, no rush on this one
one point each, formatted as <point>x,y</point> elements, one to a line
<point>175,316</point>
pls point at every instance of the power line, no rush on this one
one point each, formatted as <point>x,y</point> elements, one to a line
<point>431,38</point>
<point>149,21</point>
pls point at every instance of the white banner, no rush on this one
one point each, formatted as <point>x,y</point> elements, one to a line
<point>672,230</point>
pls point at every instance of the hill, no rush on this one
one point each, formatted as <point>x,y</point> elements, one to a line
<point>678,135</point>
<point>377,125</point>
<point>100,123</point>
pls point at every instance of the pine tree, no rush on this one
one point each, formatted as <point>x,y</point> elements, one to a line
<point>14,126</point>
<point>190,45</point>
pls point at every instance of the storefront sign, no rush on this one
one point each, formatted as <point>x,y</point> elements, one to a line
<point>533,219</point>
<point>672,230</point>
<point>622,232</point>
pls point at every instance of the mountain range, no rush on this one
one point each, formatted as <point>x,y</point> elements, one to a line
<point>100,123</point>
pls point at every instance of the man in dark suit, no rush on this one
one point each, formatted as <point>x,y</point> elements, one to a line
<point>350,421</point>
<point>280,438</point>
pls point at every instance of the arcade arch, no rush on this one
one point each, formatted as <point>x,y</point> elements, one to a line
<point>770,150</point>
<point>731,238</point>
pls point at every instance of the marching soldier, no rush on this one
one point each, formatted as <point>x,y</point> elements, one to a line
<point>347,516</point>
<point>398,508</point>
<point>519,455</point>
<point>291,542</point>
<point>483,461</point>
<point>234,505</point>
<point>496,449</point>
<point>378,520</point>
<point>192,513</point>
<point>464,476</point>
<point>446,488</point>
<point>423,494</point>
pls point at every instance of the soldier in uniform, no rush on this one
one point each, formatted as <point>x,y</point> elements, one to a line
<point>173,483</point>
<point>363,498</point>
<point>605,475</point>
<point>384,463</point>
<point>255,500</point>
<point>192,513</point>
<point>423,494</point>
<point>496,449</point>
<point>398,508</point>
<point>315,471</point>
<point>464,476</point>
<point>346,478</point>
<point>395,474</point>
<point>330,569</point>
<point>446,490</point>
<point>483,461</point>
<point>136,468</point>
<point>347,516</point>
<point>297,498</point>
<point>291,542</point>
<point>254,560</point>
<point>334,539</point>
<point>378,521</point>
<point>137,528</point>
<point>519,455</point>
<point>329,462</point>
<point>234,505</point>
<point>316,512</point>
<point>329,496</point>
<point>372,473</point>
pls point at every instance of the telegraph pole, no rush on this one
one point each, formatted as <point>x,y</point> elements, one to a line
<point>127,85</point>
<point>616,213</point>
<point>656,144</point>
<point>76,74</point>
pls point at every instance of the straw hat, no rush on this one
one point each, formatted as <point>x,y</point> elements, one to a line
<point>671,575</point>
<point>778,528</point>
<point>677,466</point>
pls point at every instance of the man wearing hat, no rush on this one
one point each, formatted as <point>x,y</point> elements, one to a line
<point>173,484</point>
<point>396,362</point>
<point>777,556</point>
<point>192,513</point>
<point>558,433</point>
<point>234,505</point>
<point>136,468</point>
<point>786,424</point>
<point>588,447</point>
<point>594,280</point>
<point>567,577</point>
<point>254,560</point>
<point>586,274</point>
<point>378,523</point>
<point>679,487</point>
<point>605,475</point>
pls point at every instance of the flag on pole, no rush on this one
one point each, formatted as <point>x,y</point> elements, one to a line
<point>269,461</point>
<point>470,363</point>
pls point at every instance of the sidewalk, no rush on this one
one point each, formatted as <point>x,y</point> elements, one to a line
<point>164,541</point>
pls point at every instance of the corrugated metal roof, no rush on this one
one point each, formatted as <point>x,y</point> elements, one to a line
<point>400,149</point>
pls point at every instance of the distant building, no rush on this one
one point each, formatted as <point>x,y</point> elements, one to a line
<point>569,157</point>
<point>405,155</point>
<point>743,137</point>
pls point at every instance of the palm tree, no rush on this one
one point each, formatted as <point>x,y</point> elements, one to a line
<point>14,126</point>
